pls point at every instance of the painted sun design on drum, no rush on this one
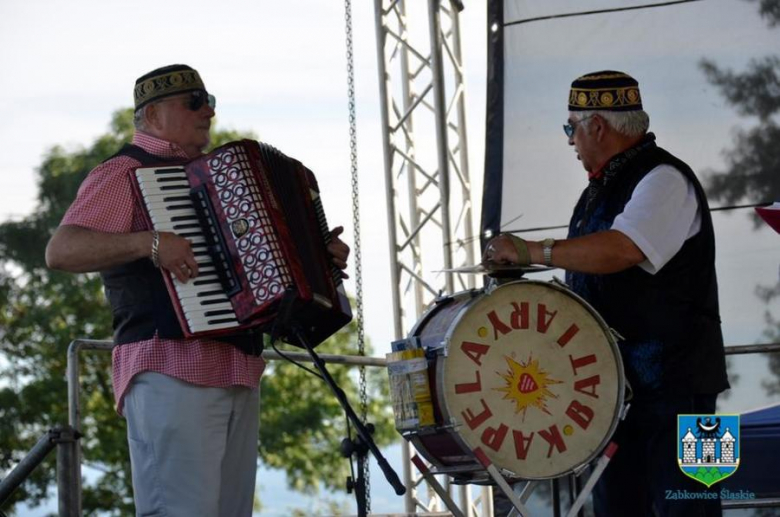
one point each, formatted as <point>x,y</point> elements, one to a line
<point>526,385</point>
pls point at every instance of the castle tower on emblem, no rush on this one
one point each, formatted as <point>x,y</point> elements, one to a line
<point>689,447</point>
<point>727,447</point>
<point>707,450</point>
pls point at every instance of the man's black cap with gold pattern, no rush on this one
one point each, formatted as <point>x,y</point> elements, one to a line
<point>606,90</point>
<point>164,82</point>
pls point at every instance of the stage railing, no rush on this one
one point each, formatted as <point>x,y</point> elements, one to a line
<point>66,438</point>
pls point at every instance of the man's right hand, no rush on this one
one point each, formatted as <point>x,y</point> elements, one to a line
<point>176,255</point>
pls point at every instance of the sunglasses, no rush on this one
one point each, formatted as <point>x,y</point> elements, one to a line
<point>200,97</point>
<point>571,127</point>
<point>197,99</point>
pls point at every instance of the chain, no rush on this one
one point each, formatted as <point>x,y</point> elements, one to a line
<point>356,226</point>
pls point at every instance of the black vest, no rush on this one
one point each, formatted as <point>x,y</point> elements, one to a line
<point>670,321</point>
<point>139,298</point>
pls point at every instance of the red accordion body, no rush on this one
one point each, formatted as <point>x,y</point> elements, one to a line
<point>256,224</point>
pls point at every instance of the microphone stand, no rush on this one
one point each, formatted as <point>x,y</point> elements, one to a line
<point>286,325</point>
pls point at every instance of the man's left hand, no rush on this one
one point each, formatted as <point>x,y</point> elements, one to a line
<point>338,249</point>
<point>507,249</point>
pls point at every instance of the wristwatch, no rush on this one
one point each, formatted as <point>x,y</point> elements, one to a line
<point>547,246</point>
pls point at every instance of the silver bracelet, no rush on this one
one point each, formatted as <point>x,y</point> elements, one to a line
<point>156,248</point>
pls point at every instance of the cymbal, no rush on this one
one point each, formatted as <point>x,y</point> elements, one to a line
<point>497,270</point>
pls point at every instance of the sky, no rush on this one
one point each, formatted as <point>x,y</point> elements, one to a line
<point>278,68</point>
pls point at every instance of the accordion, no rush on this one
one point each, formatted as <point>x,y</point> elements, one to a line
<point>258,229</point>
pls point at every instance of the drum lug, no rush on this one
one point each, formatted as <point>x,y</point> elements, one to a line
<point>579,470</point>
<point>616,334</point>
<point>452,424</point>
<point>441,297</point>
<point>560,283</point>
<point>624,411</point>
<point>491,286</point>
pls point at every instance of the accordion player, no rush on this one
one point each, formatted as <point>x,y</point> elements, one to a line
<point>258,231</point>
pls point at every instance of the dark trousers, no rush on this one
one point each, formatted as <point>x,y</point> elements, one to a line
<point>643,476</point>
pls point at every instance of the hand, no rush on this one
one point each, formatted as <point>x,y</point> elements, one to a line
<point>338,250</point>
<point>507,249</point>
<point>175,255</point>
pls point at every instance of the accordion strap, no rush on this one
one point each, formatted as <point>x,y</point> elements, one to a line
<point>143,156</point>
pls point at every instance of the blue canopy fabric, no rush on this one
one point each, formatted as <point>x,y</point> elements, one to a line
<point>759,464</point>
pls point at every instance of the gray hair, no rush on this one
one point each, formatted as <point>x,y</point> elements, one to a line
<point>628,123</point>
<point>139,118</point>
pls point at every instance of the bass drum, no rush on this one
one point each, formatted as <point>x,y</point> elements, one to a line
<point>526,373</point>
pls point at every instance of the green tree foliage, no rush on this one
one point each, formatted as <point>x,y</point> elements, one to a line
<point>294,401</point>
<point>42,311</point>
<point>754,160</point>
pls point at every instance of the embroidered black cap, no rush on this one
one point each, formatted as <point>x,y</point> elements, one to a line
<point>164,82</point>
<point>606,90</point>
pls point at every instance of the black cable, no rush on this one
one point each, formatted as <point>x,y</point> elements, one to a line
<point>349,437</point>
<point>293,361</point>
<point>600,11</point>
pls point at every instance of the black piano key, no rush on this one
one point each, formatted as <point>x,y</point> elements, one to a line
<point>222,312</point>
<point>217,321</point>
<point>176,199</point>
<point>211,293</point>
<point>213,281</point>
<point>214,301</point>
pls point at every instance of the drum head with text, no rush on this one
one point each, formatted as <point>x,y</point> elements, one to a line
<point>533,379</point>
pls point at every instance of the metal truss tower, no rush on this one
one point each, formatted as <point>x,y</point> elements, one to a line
<point>429,209</point>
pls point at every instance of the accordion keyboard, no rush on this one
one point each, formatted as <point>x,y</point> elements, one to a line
<point>166,194</point>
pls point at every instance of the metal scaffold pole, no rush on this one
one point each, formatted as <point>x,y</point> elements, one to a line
<point>428,191</point>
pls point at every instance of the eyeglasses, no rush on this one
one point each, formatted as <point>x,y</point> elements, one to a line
<point>571,127</point>
<point>196,100</point>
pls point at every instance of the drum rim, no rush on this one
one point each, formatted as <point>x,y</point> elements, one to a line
<point>620,403</point>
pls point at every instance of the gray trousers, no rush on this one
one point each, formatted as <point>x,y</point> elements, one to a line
<point>193,449</point>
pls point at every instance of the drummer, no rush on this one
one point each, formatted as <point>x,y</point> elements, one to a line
<point>641,251</point>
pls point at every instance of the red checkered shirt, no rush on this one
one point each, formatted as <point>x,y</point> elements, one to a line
<point>106,203</point>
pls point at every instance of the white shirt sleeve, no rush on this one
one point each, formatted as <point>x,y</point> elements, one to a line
<point>661,215</point>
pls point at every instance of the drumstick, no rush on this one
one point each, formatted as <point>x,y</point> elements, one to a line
<point>595,475</point>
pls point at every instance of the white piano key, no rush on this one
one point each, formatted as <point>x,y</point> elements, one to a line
<point>191,286</point>
<point>178,227</point>
<point>163,188</point>
<point>202,327</point>
<point>207,321</point>
<point>197,240</point>
<point>195,298</point>
<point>162,179</point>
<point>201,315</point>
<point>195,305</point>
<point>177,216</point>
<point>156,172</point>
<point>165,204</point>
<point>170,197</point>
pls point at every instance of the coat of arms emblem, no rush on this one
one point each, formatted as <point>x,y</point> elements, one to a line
<point>708,446</point>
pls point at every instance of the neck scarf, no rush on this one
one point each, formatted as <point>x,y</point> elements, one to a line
<point>600,180</point>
